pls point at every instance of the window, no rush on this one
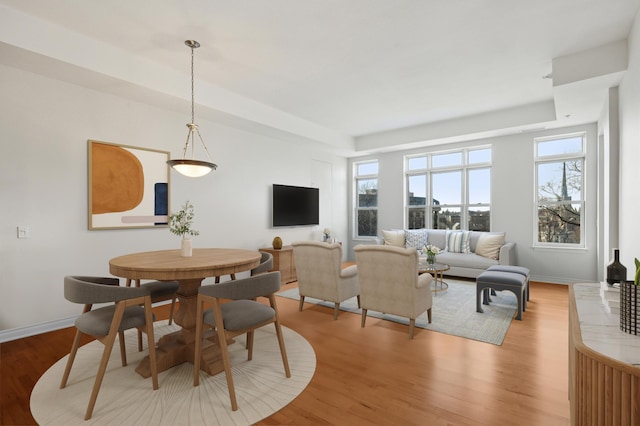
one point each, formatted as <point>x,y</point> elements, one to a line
<point>559,165</point>
<point>452,189</point>
<point>366,183</point>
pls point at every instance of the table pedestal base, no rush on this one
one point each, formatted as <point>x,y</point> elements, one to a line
<point>172,350</point>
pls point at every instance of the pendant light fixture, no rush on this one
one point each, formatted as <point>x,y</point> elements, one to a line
<point>190,166</point>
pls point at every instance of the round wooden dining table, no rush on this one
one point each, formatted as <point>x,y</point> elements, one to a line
<point>170,265</point>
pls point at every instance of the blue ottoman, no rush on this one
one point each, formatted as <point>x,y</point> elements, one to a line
<point>500,281</point>
<point>516,270</point>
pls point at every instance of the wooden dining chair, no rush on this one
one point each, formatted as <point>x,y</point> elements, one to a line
<point>130,308</point>
<point>239,316</point>
<point>160,291</point>
<point>266,264</point>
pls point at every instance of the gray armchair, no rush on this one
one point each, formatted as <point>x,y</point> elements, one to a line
<point>320,273</point>
<point>389,283</point>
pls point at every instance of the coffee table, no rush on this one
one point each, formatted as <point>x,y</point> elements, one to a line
<point>435,269</point>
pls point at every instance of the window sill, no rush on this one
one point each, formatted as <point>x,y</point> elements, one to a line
<point>560,248</point>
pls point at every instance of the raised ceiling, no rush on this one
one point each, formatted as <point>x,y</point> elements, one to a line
<point>348,74</point>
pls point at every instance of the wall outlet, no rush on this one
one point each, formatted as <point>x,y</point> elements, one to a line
<point>23,232</point>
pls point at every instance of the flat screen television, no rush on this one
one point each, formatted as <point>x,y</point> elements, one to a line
<point>295,205</point>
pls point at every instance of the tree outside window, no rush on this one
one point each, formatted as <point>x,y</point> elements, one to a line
<point>559,196</point>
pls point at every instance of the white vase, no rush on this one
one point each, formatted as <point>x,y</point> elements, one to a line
<point>186,247</point>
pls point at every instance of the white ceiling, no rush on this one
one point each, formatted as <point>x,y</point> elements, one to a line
<point>333,71</point>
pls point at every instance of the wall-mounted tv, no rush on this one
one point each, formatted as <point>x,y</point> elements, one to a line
<point>295,205</point>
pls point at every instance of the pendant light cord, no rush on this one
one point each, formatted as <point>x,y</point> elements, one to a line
<point>192,91</point>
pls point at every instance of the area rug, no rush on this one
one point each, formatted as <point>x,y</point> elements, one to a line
<point>453,312</point>
<point>126,398</point>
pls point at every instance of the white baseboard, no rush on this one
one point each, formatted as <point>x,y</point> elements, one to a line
<point>32,330</point>
<point>44,327</point>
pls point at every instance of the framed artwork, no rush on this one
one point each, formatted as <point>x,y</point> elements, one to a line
<point>128,186</point>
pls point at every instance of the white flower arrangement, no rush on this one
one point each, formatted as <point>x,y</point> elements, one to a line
<point>180,223</point>
<point>326,234</point>
<point>430,250</point>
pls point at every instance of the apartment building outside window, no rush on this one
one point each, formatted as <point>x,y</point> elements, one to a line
<point>366,189</point>
<point>559,180</point>
<point>449,190</point>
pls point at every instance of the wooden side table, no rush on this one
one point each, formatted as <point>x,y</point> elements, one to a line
<point>284,262</point>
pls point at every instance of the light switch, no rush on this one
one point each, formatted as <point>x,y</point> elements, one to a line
<point>23,232</point>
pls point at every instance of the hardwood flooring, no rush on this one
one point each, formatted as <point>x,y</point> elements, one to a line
<point>376,375</point>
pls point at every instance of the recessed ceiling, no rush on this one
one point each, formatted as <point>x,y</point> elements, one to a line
<point>356,67</point>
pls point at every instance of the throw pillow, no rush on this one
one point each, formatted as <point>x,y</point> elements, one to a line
<point>489,245</point>
<point>393,238</point>
<point>416,238</point>
<point>457,241</point>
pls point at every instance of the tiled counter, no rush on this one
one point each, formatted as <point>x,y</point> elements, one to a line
<point>604,362</point>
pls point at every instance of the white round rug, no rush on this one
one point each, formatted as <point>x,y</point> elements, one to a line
<point>126,398</point>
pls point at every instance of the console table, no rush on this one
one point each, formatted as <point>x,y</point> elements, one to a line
<point>284,262</point>
<point>604,362</point>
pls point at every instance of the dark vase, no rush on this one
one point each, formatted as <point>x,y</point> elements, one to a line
<point>616,272</point>
<point>629,307</point>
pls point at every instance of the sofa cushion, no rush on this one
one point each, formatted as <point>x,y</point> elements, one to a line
<point>489,245</point>
<point>457,242</point>
<point>393,237</point>
<point>465,260</point>
<point>416,238</point>
<point>437,238</point>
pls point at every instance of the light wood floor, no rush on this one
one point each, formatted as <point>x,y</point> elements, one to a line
<point>376,375</point>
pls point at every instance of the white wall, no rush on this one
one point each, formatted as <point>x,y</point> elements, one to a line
<point>512,189</point>
<point>44,127</point>
<point>630,155</point>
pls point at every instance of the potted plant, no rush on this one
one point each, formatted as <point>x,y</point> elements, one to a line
<point>630,302</point>
<point>180,224</point>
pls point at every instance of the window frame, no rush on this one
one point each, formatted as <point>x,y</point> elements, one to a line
<point>357,178</point>
<point>465,167</point>
<point>537,202</point>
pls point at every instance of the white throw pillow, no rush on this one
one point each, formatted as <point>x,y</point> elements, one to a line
<point>489,245</point>
<point>457,241</point>
<point>416,238</point>
<point>393,238</point>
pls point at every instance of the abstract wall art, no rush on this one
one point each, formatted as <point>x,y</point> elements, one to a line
<point>128,186</point>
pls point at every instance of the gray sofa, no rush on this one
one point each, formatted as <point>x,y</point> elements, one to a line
<point>492,250</point>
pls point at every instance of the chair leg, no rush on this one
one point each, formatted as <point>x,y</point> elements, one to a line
<point>72,356</point>
<point>123,350</point>
<point>364,317</point>
<point>429,315</point>
<point>108,346</point>
<point>301,303</point>
<point>222,340</point>
<point>140,341</point>
<point>358,297</point>
<point>250,345</point>
<point>336,309</point>
<point>412,325</point>
<point>152,344</point>
<point>283,351</point>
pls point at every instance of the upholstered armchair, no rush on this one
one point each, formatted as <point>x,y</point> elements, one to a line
<point>389,282</point>
<point>320,273</point>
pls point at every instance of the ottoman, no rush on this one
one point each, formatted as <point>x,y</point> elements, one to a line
<point>500,281</point>
<point>516,270</point>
